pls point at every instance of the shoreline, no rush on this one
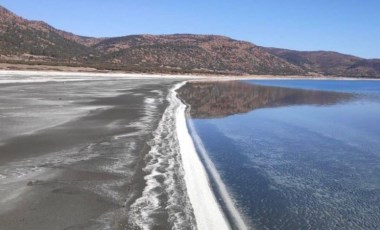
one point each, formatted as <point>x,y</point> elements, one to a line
<point>227,205</point>
<point>197,182</point>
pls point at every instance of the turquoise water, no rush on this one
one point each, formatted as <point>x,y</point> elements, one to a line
<point>296,159</point>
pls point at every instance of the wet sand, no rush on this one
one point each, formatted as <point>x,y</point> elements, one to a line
<point>72,154</point>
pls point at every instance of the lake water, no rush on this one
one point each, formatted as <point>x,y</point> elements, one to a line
<point>294,154</point>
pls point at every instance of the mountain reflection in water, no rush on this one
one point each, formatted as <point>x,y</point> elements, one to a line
<point>220,99</point>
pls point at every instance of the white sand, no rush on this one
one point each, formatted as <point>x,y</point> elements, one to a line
<point>44,76</point>
<point>207,212</point>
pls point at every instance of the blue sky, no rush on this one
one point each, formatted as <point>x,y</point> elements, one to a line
<point>347,26</point>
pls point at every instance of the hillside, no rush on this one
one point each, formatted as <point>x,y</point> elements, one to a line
<point>203,53</point>
<point>329,63</point>
<point>24,41</point>
<point>34,41</point>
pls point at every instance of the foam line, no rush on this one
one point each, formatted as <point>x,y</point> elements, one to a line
<point>165,190</point>
<point>207,211</point>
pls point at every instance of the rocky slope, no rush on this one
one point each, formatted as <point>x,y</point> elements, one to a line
<point>34,42</point>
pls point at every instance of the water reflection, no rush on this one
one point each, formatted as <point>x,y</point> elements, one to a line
<point>294,167</point>
<point>219,99</point>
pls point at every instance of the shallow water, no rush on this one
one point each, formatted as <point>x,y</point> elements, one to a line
<point>305,155</point>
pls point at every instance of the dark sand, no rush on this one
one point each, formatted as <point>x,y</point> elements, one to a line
<point>71,154</point>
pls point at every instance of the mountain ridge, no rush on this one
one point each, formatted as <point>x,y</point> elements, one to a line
<point>32,42</point>
<point>329,62</point>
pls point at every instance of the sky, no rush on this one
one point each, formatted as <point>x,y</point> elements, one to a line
<point>346,26</point>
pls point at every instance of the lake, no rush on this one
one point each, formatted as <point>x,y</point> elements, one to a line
<point>293,154</point>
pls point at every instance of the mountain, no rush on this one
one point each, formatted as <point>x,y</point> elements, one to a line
<point>329,63</point>
<point>24,41</point>
<point>186,52</point>
<point>34,41</point>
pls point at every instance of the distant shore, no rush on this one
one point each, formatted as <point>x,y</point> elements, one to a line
<point>83,71</point>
